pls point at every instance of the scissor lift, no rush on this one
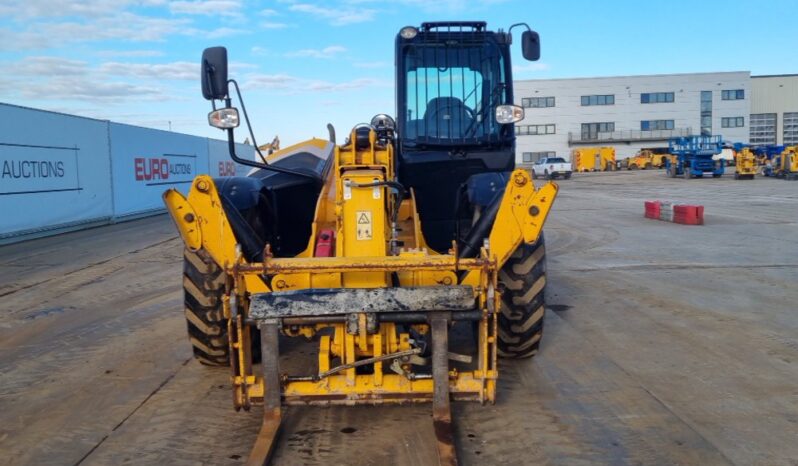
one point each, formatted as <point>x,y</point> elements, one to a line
<point>691,157</point>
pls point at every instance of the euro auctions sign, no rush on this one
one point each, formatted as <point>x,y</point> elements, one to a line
<point>165,169</point>
<point>147,162</point>
<point>29,169</point>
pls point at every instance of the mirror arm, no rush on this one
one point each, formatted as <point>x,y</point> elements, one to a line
<point>232,148</point>
<point>246,118</point>
<point>509,31</point>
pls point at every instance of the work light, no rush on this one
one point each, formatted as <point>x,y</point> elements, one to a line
<point>224,118</point>
<point>509,114</point>
<point>408,32</point>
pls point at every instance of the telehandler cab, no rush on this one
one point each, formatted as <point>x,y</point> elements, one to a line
<point>376,248</point>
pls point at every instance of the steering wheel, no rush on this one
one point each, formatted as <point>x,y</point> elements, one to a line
<point>437,110</point>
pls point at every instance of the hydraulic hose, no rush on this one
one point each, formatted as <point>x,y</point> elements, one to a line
<point>471,245</point>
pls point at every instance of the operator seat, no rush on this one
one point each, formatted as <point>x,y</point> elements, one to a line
<point>447,117</point>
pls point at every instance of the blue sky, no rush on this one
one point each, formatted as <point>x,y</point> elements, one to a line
<point>303,64</point>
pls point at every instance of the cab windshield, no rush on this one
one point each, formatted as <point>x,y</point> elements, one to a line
<point>451,91</point>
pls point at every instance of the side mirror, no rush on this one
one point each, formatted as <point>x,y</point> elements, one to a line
<point>214,73</point>
<point>530,45</point>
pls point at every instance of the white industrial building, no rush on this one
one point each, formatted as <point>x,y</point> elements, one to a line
<point>774,109</point>
<point>629,112</point>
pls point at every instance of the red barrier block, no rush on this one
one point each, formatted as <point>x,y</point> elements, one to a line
<point>688,214</point>
<point>652,209</point>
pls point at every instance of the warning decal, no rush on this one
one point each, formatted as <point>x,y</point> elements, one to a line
<point>364,231</point>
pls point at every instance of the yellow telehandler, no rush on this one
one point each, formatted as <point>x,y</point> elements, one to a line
<point>377,248</point>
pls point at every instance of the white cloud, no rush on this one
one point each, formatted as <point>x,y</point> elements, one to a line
<point>295,85</point>
<point>223,32</point>
<point>49,66</point>
<point>123,25</point>
<point>44,67</point>
<point>337,16</point>
<point>206,7</point>
<point>130,53</point>
<point>176,70</point>
<point>54,78</point>
<point>272,25</point>
<point>27,9</point>
<point>269,81</point>
<point>268,12</point>
<point>89,90</point>
<point>327,52</point>
<point>450,6</point>
<point>236,67</point>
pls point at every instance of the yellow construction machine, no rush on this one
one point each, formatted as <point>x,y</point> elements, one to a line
<point>379,248</point>
<point>640,161</point>
<point>658,159</point>
<point>745,164</point>
<point>270,147</point>
<point>592,159</point>
<point>785,165</point>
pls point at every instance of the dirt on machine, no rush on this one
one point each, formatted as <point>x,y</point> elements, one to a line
<point>375,249</point>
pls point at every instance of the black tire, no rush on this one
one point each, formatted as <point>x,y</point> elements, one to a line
<point>203,288</point>
<point>523,280</point>
<point>567,176</point>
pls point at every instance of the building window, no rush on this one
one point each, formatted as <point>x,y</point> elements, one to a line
<point>537,102</point>
<point>534,130</point>
<point>706,113</point>
<point>591,130</point>
<point>732,122</point>
<point>656,98</point>
<point>762,128</point>
<point>532,157</point>
<point>790,128</point>
<point>652,125</point>
<point>732,94</point>
<point>598,100</point>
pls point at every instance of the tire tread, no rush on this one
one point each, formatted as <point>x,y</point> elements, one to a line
<point>203,287</point>
<point>523,279</point>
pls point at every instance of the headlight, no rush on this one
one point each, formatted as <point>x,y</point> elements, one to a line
<point>509,114</point>
<point>224,118</point>
<point>383,122</point>
<point>408,32</point>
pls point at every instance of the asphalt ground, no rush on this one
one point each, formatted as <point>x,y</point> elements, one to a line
<point>663,344</point>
